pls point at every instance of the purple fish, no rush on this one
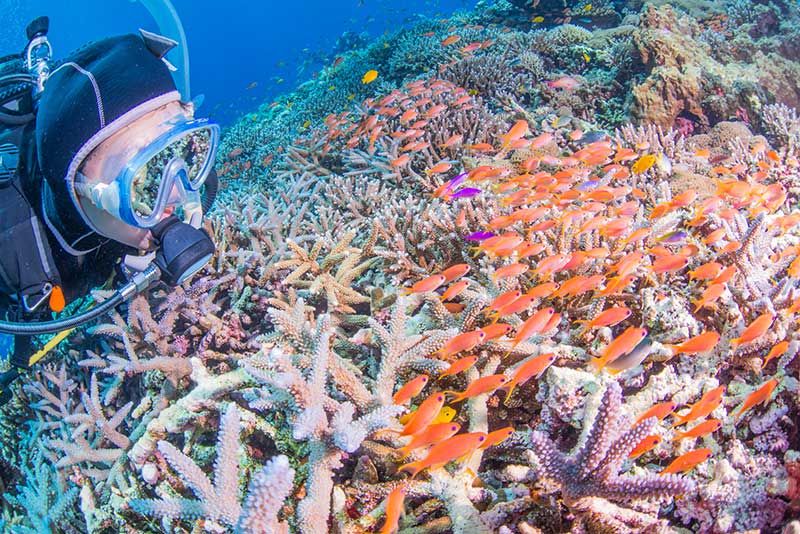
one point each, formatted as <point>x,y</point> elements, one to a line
<point>467,192</point>
<point>479,236</point>
<point>673,237</point>
<point>455,182</point>
<point>585,186</point>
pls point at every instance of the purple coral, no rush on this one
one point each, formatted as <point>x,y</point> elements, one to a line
<point>593,471</point>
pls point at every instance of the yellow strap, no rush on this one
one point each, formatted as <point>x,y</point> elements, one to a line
<point>50,345</point>
<point>53,342</point>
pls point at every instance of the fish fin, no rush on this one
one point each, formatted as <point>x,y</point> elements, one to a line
<point>413,468</point>
<point>511,386</point>
<point>598,363</point>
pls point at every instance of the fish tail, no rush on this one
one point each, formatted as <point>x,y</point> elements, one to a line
<point>511,386</point>
<point>679,421</point>
<point>599,363</point>
<point>735,342</point>
<point>404,451</point>
<point>413,468</point>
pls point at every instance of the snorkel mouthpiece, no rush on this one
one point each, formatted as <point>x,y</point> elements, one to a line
<point>182,250</point>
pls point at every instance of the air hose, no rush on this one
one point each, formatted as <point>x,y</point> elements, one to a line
<point>138,283</point>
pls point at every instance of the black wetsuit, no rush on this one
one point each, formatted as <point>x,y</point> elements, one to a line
<point>78,274</point>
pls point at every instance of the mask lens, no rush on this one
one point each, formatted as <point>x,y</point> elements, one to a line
<point>194,148</point>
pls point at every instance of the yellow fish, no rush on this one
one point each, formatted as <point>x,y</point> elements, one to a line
<point>307,123</point>
<point>586,57</point>
<point>587,7</point>
<point>351,96</point>
<point>537,20</point>
<point>369,76</point>
<point>331,88</point>
<point>644,163</point>
<point>444,416</point>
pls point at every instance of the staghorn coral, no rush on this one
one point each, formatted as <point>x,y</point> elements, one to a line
<point>220,501</point>
<point>593,469</point>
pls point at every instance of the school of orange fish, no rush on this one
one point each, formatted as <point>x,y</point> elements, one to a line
<point>584,190</point>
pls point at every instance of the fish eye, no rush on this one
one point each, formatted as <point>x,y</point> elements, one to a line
<point>439,397</point>
<point>424,378</point>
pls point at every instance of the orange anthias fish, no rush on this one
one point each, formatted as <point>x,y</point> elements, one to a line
<point>707,271</point>
<point>754,330</point>
<point>759,396</point>
<point>707,404</point>
<point>510,271</point>
<point>700,343</point>
<point>518,306</point>
<point>497,437</point>
<point>454,272</point>
<point>454,290</point>
<point>496,330</point>
<point>531,368</point>
<point>710,295</point>
<point>776,351</point>
<point>430,283</point>
<point>533,325</point>
<point>542,290</point>
<point>703,429</point>
<point>502,300</point>
<point>411,389</point>
<point>622,344</point>
<point>452,39</point>
<point>484,384</point>
<point>647,444</point>
<point>458,446</point>
<point>609,317</point>
<point>424,415</point>
<point>660,410</point>
<point>686,462</point>
<point>459,366</point>
<point>433,434</point>
<point>462,342</point>
<point>517,131</point>
<point>668,264</point>
<point>394,509</point>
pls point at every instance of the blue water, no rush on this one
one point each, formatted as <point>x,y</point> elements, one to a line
<point>242,52</point>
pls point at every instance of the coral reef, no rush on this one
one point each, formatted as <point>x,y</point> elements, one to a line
<point>611,188</point>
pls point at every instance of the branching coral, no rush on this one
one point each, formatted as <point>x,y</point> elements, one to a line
<point>593,469</point>
<point>220,501</point>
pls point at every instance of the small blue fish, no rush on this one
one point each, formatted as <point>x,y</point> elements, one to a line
<point>479,236</point>
<point>467,192</point>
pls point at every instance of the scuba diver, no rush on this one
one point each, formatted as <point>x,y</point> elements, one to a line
<point>105,175</point>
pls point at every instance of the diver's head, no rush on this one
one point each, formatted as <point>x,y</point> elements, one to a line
<point>119,150</point>
<point>152,168</point>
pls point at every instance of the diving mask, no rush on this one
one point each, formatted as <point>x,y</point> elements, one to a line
<point>165,177</point>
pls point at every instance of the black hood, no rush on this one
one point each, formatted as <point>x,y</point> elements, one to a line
<point>90,95</point>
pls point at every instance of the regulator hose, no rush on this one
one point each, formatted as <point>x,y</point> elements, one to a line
<point>51,327</point>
